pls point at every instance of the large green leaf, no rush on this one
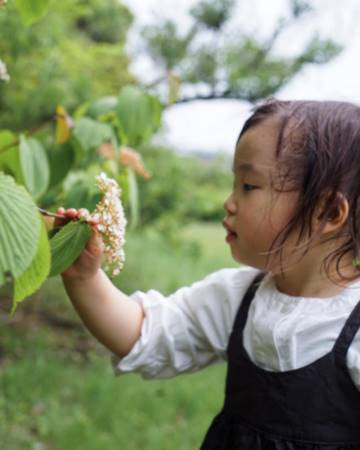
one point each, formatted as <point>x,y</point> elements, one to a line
<point>102,105</point>
<point>35,275</point>
<point>91,133</point>
<point>34,166</point>
<point>139,115</point>
<point>32,10</point>
<point>19,228</point>
<point>61,160</point>
<point>80,190</point>
<point>67,245</point>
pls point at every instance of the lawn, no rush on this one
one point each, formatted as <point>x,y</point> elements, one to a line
<point>57,386</point>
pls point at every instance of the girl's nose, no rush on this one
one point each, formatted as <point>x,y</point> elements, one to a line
<point>229,205</point>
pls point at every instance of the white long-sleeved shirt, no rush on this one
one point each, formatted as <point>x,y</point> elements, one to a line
<point>190,328</point>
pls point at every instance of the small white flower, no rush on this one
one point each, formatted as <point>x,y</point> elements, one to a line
<point>112,223</point>
<point>4,76</point>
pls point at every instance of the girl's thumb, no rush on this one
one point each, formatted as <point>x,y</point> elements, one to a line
<point>95,244</point>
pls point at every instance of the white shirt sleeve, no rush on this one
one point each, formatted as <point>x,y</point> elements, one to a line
<point>189,329</point>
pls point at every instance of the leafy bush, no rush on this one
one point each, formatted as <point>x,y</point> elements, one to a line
<point>68,58</point>
<point>182,188</point>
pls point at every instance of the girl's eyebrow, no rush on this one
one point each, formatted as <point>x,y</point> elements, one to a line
<point>247,167</point>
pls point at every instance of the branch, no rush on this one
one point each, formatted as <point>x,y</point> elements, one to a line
<point>264,52</point>
<point>31,132</point>
<point>223,95</point>
<point>44,212</point>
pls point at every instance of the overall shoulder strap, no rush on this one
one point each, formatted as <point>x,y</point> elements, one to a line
<point>347,335</point>
<point>241,315</point>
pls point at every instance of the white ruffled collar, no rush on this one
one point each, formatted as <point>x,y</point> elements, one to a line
<point>346,299</point>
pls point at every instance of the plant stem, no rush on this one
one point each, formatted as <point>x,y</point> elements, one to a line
<point>31,132</point>
<point>50,214</point>
<point>44,212</point>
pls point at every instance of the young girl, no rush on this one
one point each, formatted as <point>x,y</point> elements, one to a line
<point>287,321</point>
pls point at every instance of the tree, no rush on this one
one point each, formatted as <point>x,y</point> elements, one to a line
<point>244,68</point>
<point>74,54</point>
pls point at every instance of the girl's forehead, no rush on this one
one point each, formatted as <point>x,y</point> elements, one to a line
<point>257,146</point>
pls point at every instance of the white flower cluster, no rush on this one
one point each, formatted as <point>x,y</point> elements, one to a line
<point>4,76</point>
<point>112,223</point>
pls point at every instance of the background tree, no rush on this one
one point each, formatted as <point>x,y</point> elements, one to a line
<point>75,54</point>
<point>241,67</point>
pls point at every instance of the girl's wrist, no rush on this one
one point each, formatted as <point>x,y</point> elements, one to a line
<point>79,279</point>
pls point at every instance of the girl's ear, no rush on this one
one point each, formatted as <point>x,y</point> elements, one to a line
<point>337,216</point>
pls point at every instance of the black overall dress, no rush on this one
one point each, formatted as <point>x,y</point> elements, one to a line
<point>316,407</point>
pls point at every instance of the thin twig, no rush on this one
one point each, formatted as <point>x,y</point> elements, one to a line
<point>32,131</point>
<point>90,221</point>
<point>44,212</point>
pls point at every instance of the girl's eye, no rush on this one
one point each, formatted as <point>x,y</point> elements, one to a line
<point>245,186</point>
<point>248,187</point>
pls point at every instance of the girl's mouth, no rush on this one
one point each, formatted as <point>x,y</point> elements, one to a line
<point>230,236</point>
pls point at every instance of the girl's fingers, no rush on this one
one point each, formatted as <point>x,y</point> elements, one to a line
<point>67,214</point>
<point>95,244</point>
<point>84,212</point>
<point>93,221</point>
<point>60,222</point>
<point>72,213</point>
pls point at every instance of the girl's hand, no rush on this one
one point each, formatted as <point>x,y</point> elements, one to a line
<point>89,261</point>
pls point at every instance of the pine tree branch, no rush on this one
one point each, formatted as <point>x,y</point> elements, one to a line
<point>223,95</point>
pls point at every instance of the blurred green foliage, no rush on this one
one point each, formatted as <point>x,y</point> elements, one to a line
<point>212,15</point>
<point>182,188</point>
<point>73,55</point>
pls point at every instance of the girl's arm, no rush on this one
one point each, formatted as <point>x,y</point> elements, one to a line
<point>110,315</point>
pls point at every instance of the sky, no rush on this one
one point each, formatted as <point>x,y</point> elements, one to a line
<point>213,126</point>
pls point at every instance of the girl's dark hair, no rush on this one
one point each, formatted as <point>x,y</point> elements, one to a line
<point>318,155</point>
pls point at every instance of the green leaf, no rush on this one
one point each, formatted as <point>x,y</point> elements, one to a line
<point>19,228</point>
<point>34,166</point>
<point>67,245</point>
<point>102,105</point>
<point>61,160</point>
<point>32,10</point>
<point>139,115</point>
<point>9,159</point>
<point>133,198</point>
<point>78,196</point>
<point>91,133</point>
<point>35,275</point>
<point>79,189</point>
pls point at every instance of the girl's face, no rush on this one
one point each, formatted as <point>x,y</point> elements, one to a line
<point>256,212</point>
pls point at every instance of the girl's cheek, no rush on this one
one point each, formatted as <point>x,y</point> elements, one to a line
<point>245,225</point>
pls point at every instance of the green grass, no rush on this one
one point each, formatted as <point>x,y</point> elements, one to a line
<point>57,388</point>
<point>53,401</point>
<point>164,266</point>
